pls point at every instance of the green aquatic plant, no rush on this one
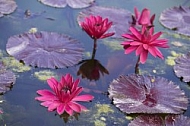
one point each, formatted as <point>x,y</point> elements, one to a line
<point>43,75</point>
<point>170,60</point>
<point>15,65</point>
<point>99,123</point>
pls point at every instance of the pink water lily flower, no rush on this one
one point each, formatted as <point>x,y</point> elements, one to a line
<point>64,96</point>
<point>96,27</point>
<point>143,18</point>
<point>144,42</point>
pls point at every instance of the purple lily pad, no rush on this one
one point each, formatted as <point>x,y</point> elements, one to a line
<point>45,49</point>
<point>147,120</point>
<point>177,18</point>
<point>182,67</point>
<point>71,3</point>
<point>7,79</point>
<point>177,120</point>
<point>7,7</point>
<point>156,120</point>
<point>121,18</point>
<point>147,94</point>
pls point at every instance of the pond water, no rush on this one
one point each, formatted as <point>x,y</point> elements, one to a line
<point>20,107</point>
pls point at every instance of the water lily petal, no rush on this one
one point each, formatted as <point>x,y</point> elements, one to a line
<point>135,32</point>
<point>45,92</point>
<point>74,107</point>
<point>52,82</point>
<point>68,110</point>
<point>83,98</point>
<point>53,106</point>
<point>143,56</point>
<point>46,98</point>
<point>46,103</point>
<point>144,18</point>
<point>61,108</point>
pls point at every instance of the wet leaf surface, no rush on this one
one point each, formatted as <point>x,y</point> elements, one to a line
<point>45,49</point>
<point>7,7</point>
<point>64,3</point>
<point>147,94</point>
<point>7,79</point>
<point>177,19</point>
<point>177,120</point>
<point>182,67</point>
<point>147,120</point>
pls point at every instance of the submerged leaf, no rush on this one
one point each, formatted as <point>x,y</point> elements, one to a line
<point>7,7</point>
<point>7,79</point>
<point>147,94</point>
<point>177,18</point>
<point>45,49</point>
<point>182,67</point>
<point>64,3</point>
<point>121,18</point>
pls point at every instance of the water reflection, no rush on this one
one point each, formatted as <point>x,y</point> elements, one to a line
<point>91,68</point>
<point>25,14</point>
<point>70,17</point>
<point>66,117</point>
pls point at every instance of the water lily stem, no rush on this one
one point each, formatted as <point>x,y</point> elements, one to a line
<point>94,48</point>
<point>137,66</point>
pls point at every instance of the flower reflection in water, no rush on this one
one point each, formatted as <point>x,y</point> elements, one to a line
<point>66,117</point>
<point>91,69</point>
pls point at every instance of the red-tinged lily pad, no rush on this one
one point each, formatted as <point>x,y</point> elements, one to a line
<point>177,18</point>
<point>182,67</point>
<point>147,120</point>
<point>45,49</point>
<point>121,18</point>
<point>177,120</point>
<point>156,120</point>
<point>7,7</point>
<point>71,3</point>
<point>7,79</point>
<point>147,94</point>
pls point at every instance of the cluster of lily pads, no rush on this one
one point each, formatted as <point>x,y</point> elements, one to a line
<point>133,93</point>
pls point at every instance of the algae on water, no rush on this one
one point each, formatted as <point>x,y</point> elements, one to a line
<point>43,75</point>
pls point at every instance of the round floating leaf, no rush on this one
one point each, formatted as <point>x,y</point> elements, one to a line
<point>121,18</point>
<point>7,79</point>
<point>147,120</point>
<point>80,3</point>
<point>71,3</point>
<point>45,49</point>
<point>182,67</point>
<point>177,18</point>
<point>54,3</point>
<point>7,7</point>
<point>147,94</point>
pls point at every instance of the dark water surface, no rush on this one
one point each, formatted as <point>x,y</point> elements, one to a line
<point>20,108</point>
